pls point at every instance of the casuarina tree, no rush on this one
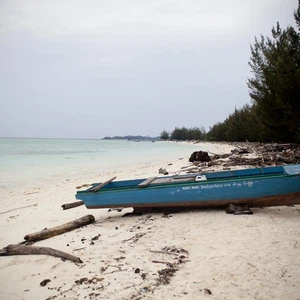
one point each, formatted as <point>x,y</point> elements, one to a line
<point>275,86</point>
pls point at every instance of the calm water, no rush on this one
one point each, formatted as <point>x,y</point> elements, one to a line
<point>24,160</point>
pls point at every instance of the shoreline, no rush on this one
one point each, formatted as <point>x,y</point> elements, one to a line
<point>234,253</point>
<point>92,174</point>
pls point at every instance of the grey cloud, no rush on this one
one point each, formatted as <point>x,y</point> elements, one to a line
<point>94,68</point>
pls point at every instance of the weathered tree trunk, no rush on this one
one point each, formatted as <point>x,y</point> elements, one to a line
<point>71,205</point>
<point>47,233</point>
<point>28,250</point>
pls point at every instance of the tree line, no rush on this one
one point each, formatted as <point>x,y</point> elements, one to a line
<point>183,134</point>
<point>274,89</point>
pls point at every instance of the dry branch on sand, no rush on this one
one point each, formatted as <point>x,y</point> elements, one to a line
<point>29,250</point>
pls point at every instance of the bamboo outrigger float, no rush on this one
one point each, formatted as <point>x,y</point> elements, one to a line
<point>260,187</point>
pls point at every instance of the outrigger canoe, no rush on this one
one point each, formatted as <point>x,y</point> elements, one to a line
<point>259,187</point>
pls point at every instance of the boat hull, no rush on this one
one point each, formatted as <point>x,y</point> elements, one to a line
<point>281,200</point>
<point>256,192</point>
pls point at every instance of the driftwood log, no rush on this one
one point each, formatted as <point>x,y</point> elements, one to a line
<point>72,205</point>
<point>28,250</point>
<point>47,233</point>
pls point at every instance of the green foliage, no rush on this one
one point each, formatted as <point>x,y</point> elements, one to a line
<point>182,134</point>
<point>297,15</point>
<point>217,132</point>
<point>164,135</point>
<point>275,88</point>
<point>241,125</point>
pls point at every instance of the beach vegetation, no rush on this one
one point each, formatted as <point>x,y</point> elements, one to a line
<point>275,86</point>
<point>243,124</point>
<point>274,114</point>
<point>183,134</point>
<point>164,135</point>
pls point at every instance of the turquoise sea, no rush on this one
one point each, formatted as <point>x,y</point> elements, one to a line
<point>25,160</point>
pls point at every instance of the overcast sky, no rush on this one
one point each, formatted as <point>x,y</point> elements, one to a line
<point>88,69</point>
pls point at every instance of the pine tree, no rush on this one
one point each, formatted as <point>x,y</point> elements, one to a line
<point>275,88</point>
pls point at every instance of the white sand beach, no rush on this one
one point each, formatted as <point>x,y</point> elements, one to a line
<point>219,256</point>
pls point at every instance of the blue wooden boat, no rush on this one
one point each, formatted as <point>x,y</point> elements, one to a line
<point>269,186</point>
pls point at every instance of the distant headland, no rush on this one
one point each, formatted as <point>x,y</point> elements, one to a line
<point>133,138</point>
